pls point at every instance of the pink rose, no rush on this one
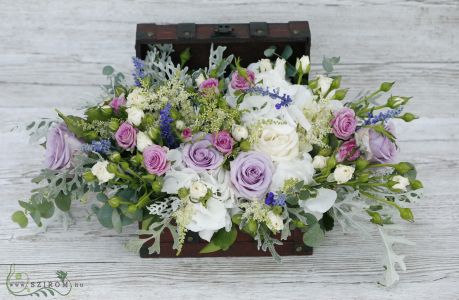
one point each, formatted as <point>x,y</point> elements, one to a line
<point>187,134</point>
<point>126,136</point>
<point>223,141</point>
<point>240,83</point>
<point>210,83</point>
<point>344,123</point>
<point>117,102</point>
<point>155,159</point>
<point>348,151</point>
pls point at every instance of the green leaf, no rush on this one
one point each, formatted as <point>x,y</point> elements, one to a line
<point>63,201</point>
<point>185,56</point>
<point>104,215</point>
<point>101,197</point>
<point>310,218</point>
<point>108,70</point>
<point>304,195</point>
<point>314,236</point>
<point>20,218</point>
<point>270,51</point>
<point>210,247</point>
<point>287,52</point>
<point>225,239</point>
<point>116,221</point>
<point>291,71</point>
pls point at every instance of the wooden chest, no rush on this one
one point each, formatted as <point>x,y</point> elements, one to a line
<point>248,42</point>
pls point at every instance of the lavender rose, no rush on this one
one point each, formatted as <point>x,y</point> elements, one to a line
<point>126,136</point>
<point>377,147</point>
<point>348,150</point>
<point>61,144</point>
<point>240,83</point>
<point>223,141</point>
<point>117,102</point>
<point>155,159</point>
<point>201,156</point>
<point>210,83</point>
<point>251,174</point>
<point>344,123</point>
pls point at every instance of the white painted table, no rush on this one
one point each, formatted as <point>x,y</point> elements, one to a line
<point>52,53</point>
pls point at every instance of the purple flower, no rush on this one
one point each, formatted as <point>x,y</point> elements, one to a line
<point>211,83</point>
<point>251,174</point>
<point>223,141</point>
<point>117,102</point>
<point>155,159</point>
<point>344,123</point>
<point>238,82</point>
<point>348,150</point>
<point>383,150</point>
<point>201,156</point>
<point>61,144</point>
<point>126,136</point>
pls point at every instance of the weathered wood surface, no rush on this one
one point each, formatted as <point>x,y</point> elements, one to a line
<point>51,54</point>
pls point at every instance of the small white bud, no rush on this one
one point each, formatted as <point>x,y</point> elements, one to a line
<point>319,162</point>
<point>239,132</point>
<point>197,190</point>
<point>303,63</point>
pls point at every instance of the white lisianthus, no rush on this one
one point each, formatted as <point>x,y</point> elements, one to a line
<point>280,141</point>
<point>143,141</point>
<point>197,190</point>
<point>200,79</point>
<point>299,169</point>
<point>137,98</point>
<point>135,115</point>
<point>100,171</point>
<point>239,132</point>
<point>304,63</point>
<point>264,65</point>
<point>343,174</point>
<point>317,206</point>
<point>319,162</point>
<point>275,222</point>
<point>180,125</point>
<point>402,182</point>
<point>324,83</point>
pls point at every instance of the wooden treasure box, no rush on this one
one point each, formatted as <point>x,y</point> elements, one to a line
<point>248,42</point>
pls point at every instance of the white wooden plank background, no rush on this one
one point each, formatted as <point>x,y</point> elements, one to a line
<point>51,54</point>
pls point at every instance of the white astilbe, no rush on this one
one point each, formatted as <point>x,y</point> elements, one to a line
<point>392,259</point>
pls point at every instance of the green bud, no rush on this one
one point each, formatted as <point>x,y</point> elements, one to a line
<point>340,94</point>
<point>149,177</point>
<point>361,164</point>
<point>132,209</point>
<point>364,177</point>
<point>416,184</point>
<point>408,117</point>
<point>124,165</point>
<point>245,145</point>
<point>251,227</point>
<point>396,101</point>
<point>153,133</point>
<point>325,152</point>
<point>403,167</point>
<point>88,176</point>
<point>406,214</point>
<point>90,135</point>
<point>331,162</point>
<point>114,201</point>
<point>113,125</point>
<point>236,219</point>
<point>277,210</point>
<point>157,186</point>
<point>137,159</point>
<point>115,157</point>
<point>148,120</point>
<point>112,168</point>
<point>106,110</point>
<point>313,84</point>
<point>298,224</point>
<point>183,193</point>
<point>335,83</point>
<point>375,217</point>
<point>386,86</point>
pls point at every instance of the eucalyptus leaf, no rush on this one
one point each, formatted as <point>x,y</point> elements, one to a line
<point>116,221</point>
<point>270,51</point>
<point>104,215</point>
<point>63,201</point>
<point>108,70</point>
<point>314,236</point>
<point>287,52</point>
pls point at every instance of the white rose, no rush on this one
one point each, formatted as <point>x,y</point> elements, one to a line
<point>200,79</point>
<point>100,171</point>
<point>343,173</point>
<point>135,115</point>
<point>210,218</point>
<point>180,125</point>
<point>317,206</point>
<point>265,65</point>
<point>275,222</point>
<point>300,169</point>
<point>304,63</point>
<point>319,162</point>
<point>137,98</point>
<point>197,190</point>
<point>143,141</point>
<point>280,141</point>
<point>239,132</point>
<point>324,83</point>
<point>402,182</point>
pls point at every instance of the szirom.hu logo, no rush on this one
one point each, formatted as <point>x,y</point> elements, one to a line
<point>20,284</point>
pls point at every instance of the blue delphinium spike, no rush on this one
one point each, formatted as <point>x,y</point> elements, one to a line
<point>286,100</point>
<point>138,72</point>
<point>165,121</point>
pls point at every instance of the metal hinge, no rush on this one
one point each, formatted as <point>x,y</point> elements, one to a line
<point>186,30</point>
<point>258,29</point>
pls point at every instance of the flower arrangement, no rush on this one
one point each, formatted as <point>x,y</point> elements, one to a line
<point>226,149</point>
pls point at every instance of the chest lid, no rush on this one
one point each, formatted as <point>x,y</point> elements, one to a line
<point>246,41</point>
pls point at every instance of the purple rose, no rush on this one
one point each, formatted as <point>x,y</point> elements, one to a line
<point>238,82</point>
<point>117,102</point>
<point>344,123</point>
<point>383,150</point>
<point>126,136</point>
<point>348,150</point>
<point>201,156</point>
<point>251,174</point>
<point>211,83</point>
<point>223,141</point>
<point>61,144</point>
<point>155,159</point>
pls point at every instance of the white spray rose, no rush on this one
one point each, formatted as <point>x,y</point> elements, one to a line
<point>135,115</point>
<point>402,182</point>
<point>275,221</point>
<point>197,190</point>
<point>180,125</point>
<point>319,162</point>
<point>299,169</point>
<point>143,141</point>
<point>343,173</point>
<point>239,132</point>
<point>324,83</point>
<point>100,171</point>
<point>280,141</point>
<point>304,63</point>
<point>265,65</point>
<point>137,98</point>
